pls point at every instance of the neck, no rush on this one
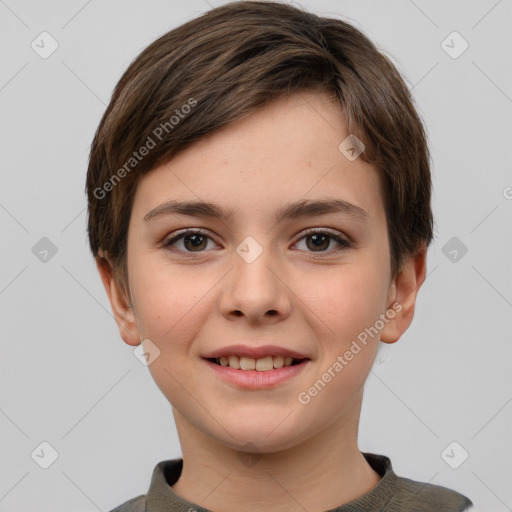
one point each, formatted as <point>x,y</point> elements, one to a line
<point>323,472</point>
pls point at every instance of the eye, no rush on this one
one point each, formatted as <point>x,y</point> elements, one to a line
<point>192,240</point>
<point>320,240</point>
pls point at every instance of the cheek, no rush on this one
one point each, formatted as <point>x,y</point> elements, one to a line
<point>346,301</point>
<point>171,309</point>
<point>168,302</point>
<point>345,308</point>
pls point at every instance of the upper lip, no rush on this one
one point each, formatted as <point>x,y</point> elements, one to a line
<point>254,352</point>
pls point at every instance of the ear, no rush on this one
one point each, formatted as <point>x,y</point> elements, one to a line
<point>123,312</point>
<point>402,296</point>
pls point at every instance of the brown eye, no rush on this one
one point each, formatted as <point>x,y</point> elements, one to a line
<point>318,241</point>
<point>321,241</point>
<point>192,241</point>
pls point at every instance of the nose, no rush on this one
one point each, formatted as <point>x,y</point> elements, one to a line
<point>256,290</point>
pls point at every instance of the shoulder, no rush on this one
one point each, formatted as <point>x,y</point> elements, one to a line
<point>428,497</point>
<point>137,504</point>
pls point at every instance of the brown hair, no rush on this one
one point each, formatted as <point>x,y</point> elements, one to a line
<point>231,61</point>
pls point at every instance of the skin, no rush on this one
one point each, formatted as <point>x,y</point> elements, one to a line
<point>315,301</point>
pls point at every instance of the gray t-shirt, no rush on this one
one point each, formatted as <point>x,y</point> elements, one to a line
<point>391,494</point>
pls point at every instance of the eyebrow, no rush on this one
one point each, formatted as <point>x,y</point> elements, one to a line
<point>303,208</point>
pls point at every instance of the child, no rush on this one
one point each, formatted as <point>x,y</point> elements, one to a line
<point>259,211</point>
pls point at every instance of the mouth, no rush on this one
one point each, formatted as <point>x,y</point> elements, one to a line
<point>251,373</point>
<point>261,364</point>
<point>262,367</point>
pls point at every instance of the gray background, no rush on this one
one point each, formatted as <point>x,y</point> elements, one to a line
<point>68,379</point>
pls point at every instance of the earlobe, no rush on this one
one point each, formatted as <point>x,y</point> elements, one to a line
<point>402,296</point>
<point>120,304</point>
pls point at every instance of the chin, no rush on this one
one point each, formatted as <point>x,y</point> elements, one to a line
<point>260,434</point>
<point>258,443</point>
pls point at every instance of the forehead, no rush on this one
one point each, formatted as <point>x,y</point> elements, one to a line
<point>286,151</point>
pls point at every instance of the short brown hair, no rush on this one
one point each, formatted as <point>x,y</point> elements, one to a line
<point>230,62</point>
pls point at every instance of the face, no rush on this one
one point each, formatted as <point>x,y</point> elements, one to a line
<point>274,276</point>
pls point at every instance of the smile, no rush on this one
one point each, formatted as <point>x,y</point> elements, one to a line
<point>251,373</point>
<point>263,364</point>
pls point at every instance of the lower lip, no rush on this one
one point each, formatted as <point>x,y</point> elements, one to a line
<point>253,379</point>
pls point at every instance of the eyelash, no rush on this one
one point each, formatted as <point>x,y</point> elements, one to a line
<point>345,244</point>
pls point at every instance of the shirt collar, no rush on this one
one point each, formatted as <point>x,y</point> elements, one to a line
<point>162,498</point>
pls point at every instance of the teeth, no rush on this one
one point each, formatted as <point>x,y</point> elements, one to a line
<point>278,361</point>
<point>247,363</point>
<point>234,362</point>
<point>264,364</point>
